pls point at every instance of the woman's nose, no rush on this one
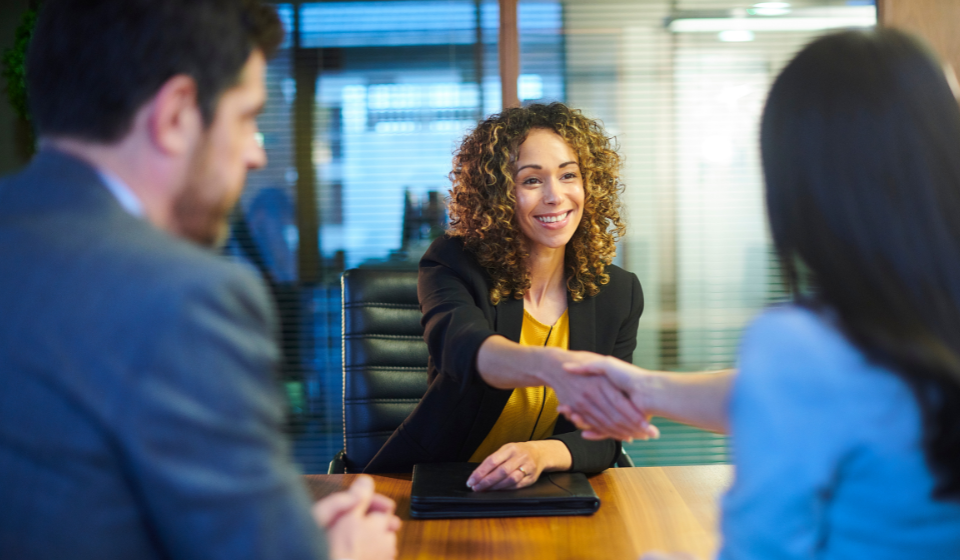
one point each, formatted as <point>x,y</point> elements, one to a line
<point>551,192</point>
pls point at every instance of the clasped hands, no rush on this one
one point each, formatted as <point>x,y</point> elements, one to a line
<point>360,523</point>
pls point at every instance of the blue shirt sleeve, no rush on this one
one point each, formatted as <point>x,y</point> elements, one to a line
<point>785,445</point>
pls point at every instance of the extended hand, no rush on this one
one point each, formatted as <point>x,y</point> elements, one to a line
<point>593,401</point>
<point>623,414</point>
<point>360,524</point>
<point>517,465</point>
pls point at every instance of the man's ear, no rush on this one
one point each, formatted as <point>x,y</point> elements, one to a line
<point>175,121</point>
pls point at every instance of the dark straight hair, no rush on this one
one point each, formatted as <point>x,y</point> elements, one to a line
<point>92,64</point>
<point>861,153</point>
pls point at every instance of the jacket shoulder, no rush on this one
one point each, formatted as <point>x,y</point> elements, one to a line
<point>620,275</point>
<point>622,293</point>
<point>447,248</point>
<point>451,252</point>
<point>621,282</point>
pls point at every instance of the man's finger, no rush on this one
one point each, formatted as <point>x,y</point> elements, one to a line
<point>363,489</point>
<point>329,509</point>
<point>382,504</point>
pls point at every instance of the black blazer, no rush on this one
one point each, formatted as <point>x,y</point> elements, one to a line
<point>459,409</point>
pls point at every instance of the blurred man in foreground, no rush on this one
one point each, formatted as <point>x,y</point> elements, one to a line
<point>139,414</point>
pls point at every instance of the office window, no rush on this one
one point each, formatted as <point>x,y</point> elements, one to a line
<point>388,88</point>
<point>681,84</point>
<point>395,86</point>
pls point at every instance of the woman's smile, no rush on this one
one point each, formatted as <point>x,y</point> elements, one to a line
<point>557,220</point>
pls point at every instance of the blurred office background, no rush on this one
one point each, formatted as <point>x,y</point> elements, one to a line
<point>368,99</point>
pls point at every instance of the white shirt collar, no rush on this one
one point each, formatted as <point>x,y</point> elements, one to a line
<point>122,193</point>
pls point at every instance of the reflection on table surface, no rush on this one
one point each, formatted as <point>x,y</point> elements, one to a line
<point>642,509</point>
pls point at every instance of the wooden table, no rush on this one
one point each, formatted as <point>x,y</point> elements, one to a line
<point>642,509</point>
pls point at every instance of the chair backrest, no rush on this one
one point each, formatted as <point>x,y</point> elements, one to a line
<point>384,358</point>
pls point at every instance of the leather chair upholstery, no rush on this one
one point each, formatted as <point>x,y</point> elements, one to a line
<point>384,360</point>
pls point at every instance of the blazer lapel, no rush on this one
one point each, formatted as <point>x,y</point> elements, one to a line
<point>583,326</point>
<point>508,323</point>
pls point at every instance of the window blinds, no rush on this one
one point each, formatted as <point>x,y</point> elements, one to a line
<point>396,84</point>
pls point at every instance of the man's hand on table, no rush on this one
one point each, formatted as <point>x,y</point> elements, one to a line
<point>360,523</point>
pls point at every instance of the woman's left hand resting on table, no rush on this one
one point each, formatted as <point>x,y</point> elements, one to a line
<point>517,465</point>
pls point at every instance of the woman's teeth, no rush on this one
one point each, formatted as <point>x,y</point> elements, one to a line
<point>552,219</point>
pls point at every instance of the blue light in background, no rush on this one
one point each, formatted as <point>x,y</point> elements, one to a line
<point>431,22</point>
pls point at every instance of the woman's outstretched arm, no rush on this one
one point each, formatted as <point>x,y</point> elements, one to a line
<point>506,365</point>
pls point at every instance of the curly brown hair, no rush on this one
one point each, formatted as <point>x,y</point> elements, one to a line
<point>483,198</point>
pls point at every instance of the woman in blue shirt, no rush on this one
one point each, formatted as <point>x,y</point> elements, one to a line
<point>845,412</point>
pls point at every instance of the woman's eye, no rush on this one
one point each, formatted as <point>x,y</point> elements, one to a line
<point>531,181</point>
<point>570,176</point>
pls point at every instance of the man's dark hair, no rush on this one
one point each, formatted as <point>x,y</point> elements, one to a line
<point>93,63</point>
<point>859,141</point>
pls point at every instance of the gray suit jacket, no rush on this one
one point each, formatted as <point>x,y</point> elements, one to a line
<point>139,413</point>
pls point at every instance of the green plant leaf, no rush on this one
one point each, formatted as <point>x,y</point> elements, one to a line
<point>15,65</point>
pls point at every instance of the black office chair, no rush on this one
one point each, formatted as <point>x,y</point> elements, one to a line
<point>384,362</point>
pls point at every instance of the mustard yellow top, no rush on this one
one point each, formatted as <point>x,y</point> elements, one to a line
<point>531,412</point>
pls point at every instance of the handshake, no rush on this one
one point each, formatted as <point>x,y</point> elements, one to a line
<point>609,398</point>
<point>603,396</point>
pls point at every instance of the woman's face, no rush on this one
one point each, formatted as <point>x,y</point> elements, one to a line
<point>549,190</point>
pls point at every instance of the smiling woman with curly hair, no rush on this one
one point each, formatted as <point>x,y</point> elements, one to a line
<point>483,199</point>
<point>523,277</point>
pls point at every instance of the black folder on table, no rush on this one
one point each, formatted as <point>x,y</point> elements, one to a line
<point>440,491</point>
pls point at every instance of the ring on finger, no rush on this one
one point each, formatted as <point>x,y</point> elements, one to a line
<point>521,469</point>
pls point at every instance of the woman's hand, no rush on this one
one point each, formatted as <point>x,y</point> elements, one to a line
<point>594,397</point>
<point>630,381</point>
<point>517,465</point>
<point>697,399</point>
<point>504,364</point>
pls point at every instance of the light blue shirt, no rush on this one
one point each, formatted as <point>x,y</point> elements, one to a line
<point>122,193</point>
<point>828,453</point>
